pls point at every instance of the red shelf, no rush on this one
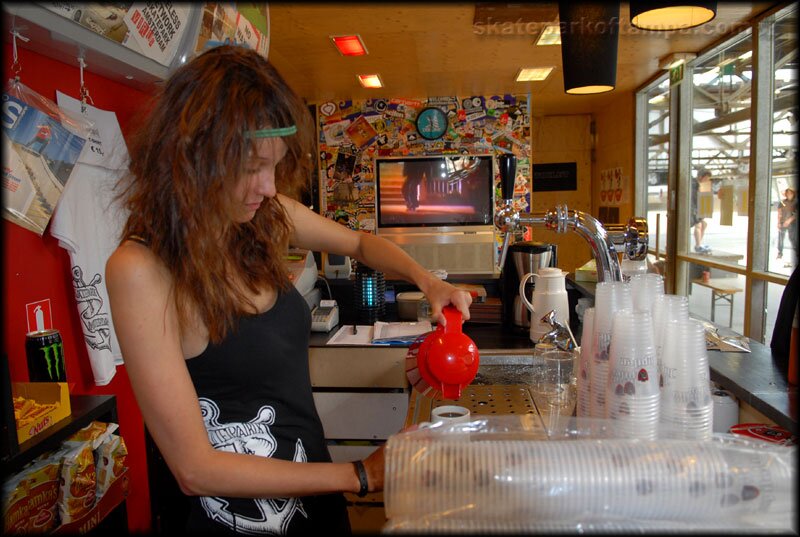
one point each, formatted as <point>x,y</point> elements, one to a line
<point>113,497</point>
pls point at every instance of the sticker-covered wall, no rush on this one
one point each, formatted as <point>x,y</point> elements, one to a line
<point>353,133</point>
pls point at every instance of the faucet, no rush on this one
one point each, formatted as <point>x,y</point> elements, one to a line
<point>604,240</point>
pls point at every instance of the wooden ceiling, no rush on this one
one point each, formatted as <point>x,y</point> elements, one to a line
<point>428,49</point>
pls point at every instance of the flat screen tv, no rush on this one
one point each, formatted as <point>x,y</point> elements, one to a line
<point>438,192</point>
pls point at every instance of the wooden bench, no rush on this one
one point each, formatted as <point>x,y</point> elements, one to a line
<point>721,289</point>
<point>720,256</point>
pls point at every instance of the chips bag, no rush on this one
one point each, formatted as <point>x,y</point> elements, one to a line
<point>78,481</point>
<point>110,461</point>
<point>16,509</point>
<point>43,477</point>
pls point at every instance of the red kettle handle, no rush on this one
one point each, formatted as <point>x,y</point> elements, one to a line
<point>453,318</point>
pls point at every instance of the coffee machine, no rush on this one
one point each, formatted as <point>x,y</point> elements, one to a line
<point>522,258</point>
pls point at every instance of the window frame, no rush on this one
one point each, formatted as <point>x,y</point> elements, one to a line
<point>755,272</point>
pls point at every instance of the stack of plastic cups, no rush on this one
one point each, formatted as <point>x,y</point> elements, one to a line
<point>632,391</point>
<point>668,308</point>
<point>655,283</point>
<point>644,289</point>
<point>687,409</point>
<point>584,374</point>
<point>610,297</point>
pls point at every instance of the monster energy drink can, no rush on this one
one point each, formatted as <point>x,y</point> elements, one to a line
<point>45,354</point>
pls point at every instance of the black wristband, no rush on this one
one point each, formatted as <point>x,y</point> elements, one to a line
<point>362,478</point>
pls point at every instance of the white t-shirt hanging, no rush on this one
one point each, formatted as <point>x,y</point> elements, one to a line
<point>87,223</point>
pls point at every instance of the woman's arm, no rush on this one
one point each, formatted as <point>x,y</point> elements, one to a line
<point>145,319</point>
<point>317,233</point>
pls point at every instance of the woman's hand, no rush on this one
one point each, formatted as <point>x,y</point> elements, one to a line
<point>440,294</point>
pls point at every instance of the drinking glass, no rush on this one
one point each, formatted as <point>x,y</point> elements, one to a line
<point>554,389</point>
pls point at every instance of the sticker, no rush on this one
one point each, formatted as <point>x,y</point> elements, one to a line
<point>39,315</point>
<point>361,132</point>
<point>327,108</point>
<point>334,132</point>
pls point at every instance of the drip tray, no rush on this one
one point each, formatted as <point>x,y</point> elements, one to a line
<point>481,400</point>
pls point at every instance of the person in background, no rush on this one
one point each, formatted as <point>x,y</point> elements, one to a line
<point>789,221</point>
<point>43,134</point>
<point>701,184</point>
<point>213,334</point>
<point>415,172</point>
<point>779,205</point>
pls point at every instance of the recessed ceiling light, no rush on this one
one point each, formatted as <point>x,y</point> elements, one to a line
<point>529,74</point>
<point>349,45</point>
<point>370,81</point>
<point>551,35</point>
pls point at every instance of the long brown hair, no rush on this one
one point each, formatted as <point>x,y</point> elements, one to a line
<point>186,159</point>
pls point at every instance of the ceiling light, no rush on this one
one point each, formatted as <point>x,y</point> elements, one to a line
<point>551,35</point>
<point>349,45</point>
<point>675,59</point>
<point>746,55</point>
<point>589,42</point>
<point>370,81</point>
<point>671,15</point>
<point>532,74</point>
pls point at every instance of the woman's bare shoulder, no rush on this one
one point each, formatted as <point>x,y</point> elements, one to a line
<point>135,264</point>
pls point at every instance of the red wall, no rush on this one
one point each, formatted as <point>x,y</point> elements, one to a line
<point>37,268</point>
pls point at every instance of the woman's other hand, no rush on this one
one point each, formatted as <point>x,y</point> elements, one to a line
<point>374,465</point>
<point>440,294</point>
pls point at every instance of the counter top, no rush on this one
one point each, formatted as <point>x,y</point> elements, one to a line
<point>751,377</point>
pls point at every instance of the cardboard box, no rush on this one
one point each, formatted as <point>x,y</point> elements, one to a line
<point>587,273</point>
<point>44,393</point>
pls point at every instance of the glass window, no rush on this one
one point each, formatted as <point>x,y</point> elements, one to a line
<point>721,90</point>
<point>783,228</point>
<point>713,252</point>
<point>657,165</point>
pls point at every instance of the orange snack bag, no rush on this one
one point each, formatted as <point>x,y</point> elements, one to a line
<point>43,477</point>
<point>78,481</point>
<point>110,460</point>
<point>16,510</point>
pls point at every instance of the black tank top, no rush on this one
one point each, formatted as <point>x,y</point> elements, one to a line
<point>255,395</point>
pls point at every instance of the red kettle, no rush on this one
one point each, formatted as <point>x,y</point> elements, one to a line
<point>442,362</point>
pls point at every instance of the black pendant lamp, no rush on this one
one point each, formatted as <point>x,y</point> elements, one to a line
<point>673,15</point>
<point>589,39</point>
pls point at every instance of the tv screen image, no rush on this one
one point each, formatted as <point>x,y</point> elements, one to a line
<point>435,191</point>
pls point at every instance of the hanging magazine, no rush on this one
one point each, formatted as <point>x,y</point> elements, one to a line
<point>41,144</point>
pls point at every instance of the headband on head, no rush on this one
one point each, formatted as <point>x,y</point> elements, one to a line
<point>271,133</point>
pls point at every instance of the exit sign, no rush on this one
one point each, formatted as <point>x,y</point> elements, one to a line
<point>676,75</point>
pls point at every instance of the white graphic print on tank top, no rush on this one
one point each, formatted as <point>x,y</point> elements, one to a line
<point>253,438</point>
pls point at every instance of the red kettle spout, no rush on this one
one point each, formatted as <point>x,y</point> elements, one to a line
<point>451,391</point>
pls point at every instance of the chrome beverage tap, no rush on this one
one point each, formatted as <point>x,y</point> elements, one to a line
<point>631,237</point>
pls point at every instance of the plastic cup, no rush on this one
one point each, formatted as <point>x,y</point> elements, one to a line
<point>584,373</point>
<point>644,290</point>
<point>610,297</point>
<point>632,390</point>
<point>687,405</point>
<point>449,414</point>
<point>554,388</point>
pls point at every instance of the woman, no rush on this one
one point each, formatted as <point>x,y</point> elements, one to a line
<point>213,333</point>
<point>789,221</point>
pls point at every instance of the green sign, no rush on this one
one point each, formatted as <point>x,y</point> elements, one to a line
<point>676,75</point>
